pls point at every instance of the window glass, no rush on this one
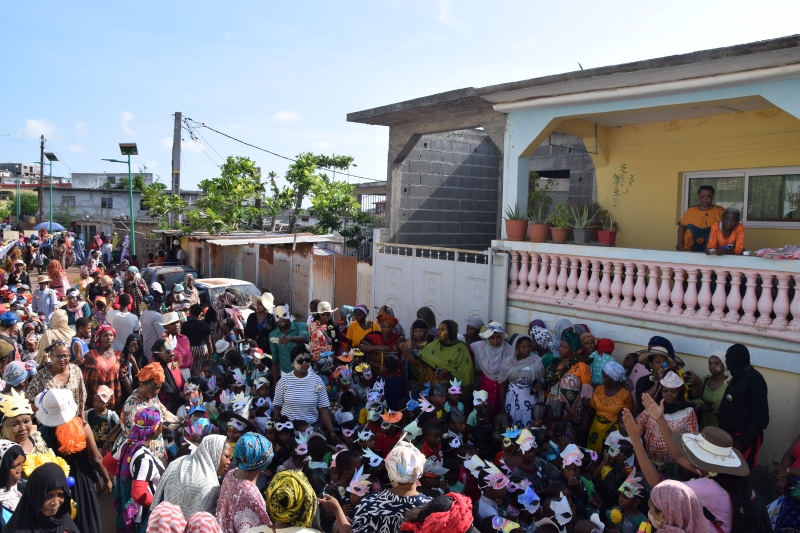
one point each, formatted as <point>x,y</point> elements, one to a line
<point>774,198</point>
<point>728,191</point>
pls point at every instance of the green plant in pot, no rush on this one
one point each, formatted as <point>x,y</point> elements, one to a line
<point>538,228</point>
<point>561,218</point>
<point>582,218</point>
<point>539,204</point>
<point>620,185</point>
<point>516,223</point>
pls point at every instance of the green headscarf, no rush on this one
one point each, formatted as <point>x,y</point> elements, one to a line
<point>571,338</point>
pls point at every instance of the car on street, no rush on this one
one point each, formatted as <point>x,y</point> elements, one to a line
<point>173,274</point>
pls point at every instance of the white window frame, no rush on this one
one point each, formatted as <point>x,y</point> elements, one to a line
<point>746,173</point>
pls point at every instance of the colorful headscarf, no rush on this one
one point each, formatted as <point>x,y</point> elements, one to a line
<point>145,423</point>
<point>166,518</point>
<point>203,523</point>
<point>404,463</point>
<point>615,371</point>
<point>154,371</point>
<point>102,329</point>
<point>291,499</point>
<point>385,317</point>
<point>361,307</point>
<point>542,337</point>
<point>572,339</point>
<point>252,452</point>
<point>683,512</point>
<point>457,519</point>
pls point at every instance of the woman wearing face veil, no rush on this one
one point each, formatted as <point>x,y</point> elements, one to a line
<point>45,505</point>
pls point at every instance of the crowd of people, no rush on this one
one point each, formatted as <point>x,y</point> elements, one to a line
<point>232,420</point>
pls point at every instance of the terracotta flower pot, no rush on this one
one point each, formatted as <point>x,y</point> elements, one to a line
<point>516,229</point>
<point>582,236</point>
<point>559,234</point>
<point>607,237</point>
<point>538,232</point>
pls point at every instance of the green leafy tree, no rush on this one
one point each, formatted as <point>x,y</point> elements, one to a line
<point>279,201</point>
<point>65,216</point>
<point>28,203</point>
<point>227,202</point>
<point>160,203</point>
<point>303,175</point>
<point>333,202</point>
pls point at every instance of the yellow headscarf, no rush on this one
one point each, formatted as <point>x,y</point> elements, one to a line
<point>291,499</point>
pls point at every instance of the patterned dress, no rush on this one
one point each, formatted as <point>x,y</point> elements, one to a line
<point>133,405</point>
<point>383,512</point>
<point>569,391</point>
<point>606,412</point>
<point>43,380</point>
<point>240,506</point>
<point>97,371</point>
<point>684,421</point>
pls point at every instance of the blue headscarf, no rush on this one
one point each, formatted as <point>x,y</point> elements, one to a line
<point>253,452</point>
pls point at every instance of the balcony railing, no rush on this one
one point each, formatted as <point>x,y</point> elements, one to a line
<point>748,295</point>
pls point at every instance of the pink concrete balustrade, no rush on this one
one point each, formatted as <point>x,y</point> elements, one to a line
<point>706,292</point>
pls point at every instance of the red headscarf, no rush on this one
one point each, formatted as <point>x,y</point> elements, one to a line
<point>102,329</point>
<point>605,346</point>
<point>457,520</point>
<point>385,317</point>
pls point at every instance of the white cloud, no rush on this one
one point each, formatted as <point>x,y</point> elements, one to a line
<point>125,119</point>
<point>76,149</point>
<point>34,128</point>
<point>286,116</point>
<point>81,129</point>
<point>151,164</point>
<point>525,45</point>
<point>166,142</point>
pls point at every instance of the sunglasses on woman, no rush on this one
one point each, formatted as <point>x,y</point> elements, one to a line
<point>303,360</point>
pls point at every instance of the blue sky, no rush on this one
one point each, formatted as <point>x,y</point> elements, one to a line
<point>283,75</point>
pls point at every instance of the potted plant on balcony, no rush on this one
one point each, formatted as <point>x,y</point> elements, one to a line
<point>539,203</point>
<point>516,223</point>
<point>561,219</point>
<point>582,217</point>
<point>538,228</point>
<point>620,185</point>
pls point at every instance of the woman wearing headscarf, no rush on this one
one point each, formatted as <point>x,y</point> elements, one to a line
<point>542,342</point>
<point>104,366</point>
<point>75,307</point>
<point>126,249</point>
<point>389,310</point>
<point>521,380</point>
<point>565,378</point>
<point>605,404</point>
<point>744,411</point>
<point>291,503</point>
<point>171,386</point>
<point>80,252</point>
<point>59,330</point>
<point>45,506</point>
<point>151,379</point>
<point>382,348</point>
<point>426,314</point>
<point>58,278</point>
<point>360,326</point>
<point>192,482</point>
<point>138,472</point>
<point>451,513</point>
<point>490,354</point>
<point>65,432</point>
<point>712,390</point>
<point>674,508</point>
<point>420,338</point>
<point>241,506</point>
<point>562,325</point>
<point>218,312</point>
<point>384,511</point>
<point>11,459</point>
<point>168,518</point>
<point>474,325</point>
<point>450,357</point>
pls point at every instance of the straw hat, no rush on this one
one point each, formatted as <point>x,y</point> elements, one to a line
<point>55,407</point>
<point>42,279</point>
<point>712,450</point>
<point>105,281</point>
<point>325,307</point>
<point>644,355</point>
<point>169,318</point>
<point>266,299</point>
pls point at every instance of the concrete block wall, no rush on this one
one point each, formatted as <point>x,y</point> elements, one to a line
<point>450,187</point>
<point>573,158</point>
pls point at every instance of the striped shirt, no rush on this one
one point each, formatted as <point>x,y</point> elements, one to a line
<point>301,398</point>
<point>146,467</point>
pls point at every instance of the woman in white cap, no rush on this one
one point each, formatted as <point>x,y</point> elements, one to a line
<point>261,323</point>
<point>178,343</point>
<point>323,332</point>
<point>70,438</point>
<point>490,355</point>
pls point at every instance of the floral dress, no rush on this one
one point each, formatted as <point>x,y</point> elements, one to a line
<point>383,512</point>
<point>240,506</point>
<point>43,380</point>
<point>519,400</point>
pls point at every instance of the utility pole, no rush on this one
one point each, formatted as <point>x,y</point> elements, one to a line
<point>176,160</point>
<point>258,203</point>
<point>41,181</point>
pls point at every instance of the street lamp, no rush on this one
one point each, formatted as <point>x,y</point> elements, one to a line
<point>51,158</point>
<point>128,149</point>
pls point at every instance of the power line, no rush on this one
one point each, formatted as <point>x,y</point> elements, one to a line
<point>203,125</point>
<point>58,156</point>
<point>191,136</point>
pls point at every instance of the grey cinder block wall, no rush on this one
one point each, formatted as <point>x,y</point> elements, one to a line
<point>450,186</point>
<point>567,152</point>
